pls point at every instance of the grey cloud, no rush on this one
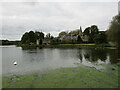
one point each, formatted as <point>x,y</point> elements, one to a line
<point>54,17</point>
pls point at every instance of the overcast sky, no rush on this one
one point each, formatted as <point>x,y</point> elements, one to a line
<point>54,17</point>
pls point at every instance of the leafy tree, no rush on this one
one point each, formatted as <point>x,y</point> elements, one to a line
<point>114,30</point>
<point>48,36</point>
<point>91,32</point>
<point>87,31</point>
<point>100,38</point>
<point>39,35</point>
<point>51,37</point>
<point>94,29</point>
<point>25,38</point>
<point>79,40</point>
<point>32,37</point>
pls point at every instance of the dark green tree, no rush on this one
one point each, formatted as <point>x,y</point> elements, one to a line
<point>94,29</point>
<point>91,32</point>
<point>32,37</point>
<point>87,31</point>
<point>25,38</point>
<point>41,37</point>
<point>100,38</point>
<point>48,36</point>
<point>79,39</point>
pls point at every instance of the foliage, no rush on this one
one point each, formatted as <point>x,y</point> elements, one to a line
<point>94,29</point>
<point>31,37</point>
<point>48,36</point>
<point>114,30</point>
<point>79,40</point>
<point>25,38</point>
<point>87,31</point>
<point>100,38</point>
<point>7,42</point>
<point>91,32</point>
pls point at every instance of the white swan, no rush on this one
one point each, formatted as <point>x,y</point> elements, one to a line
<point>15,63</point>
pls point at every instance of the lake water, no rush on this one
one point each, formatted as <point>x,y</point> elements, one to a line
<point>42,60</point>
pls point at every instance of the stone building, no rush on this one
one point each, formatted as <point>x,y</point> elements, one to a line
<point>73,36</point>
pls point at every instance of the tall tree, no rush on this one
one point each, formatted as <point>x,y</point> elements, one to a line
<point>114,30</point>
<point>94,29</point>
<point>25,38</point>
<point>79,39</point>
<point>32,37</point>
<point>48,36</point>
<point>91,32</point>
<point>87,31</point>
<point>100,38</point>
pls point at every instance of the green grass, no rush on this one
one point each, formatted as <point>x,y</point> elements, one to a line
<point>77,77</point>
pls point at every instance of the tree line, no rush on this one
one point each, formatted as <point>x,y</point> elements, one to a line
<point>95,36</point>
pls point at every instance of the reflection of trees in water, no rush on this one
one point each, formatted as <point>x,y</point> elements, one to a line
<point>113,55</point>
<point>80,55</point>
<point>93,55</point>
<point>31,48</point>
<point>87,56</point>
<point>99,54</point>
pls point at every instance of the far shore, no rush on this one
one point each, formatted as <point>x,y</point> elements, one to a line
<point>83,45</point>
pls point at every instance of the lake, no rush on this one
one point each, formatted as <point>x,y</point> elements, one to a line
<point>42,60</point>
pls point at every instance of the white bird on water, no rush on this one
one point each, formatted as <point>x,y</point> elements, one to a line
<point>15,63</point>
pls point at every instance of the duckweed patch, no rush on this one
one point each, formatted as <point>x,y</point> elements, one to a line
<point>75,77</point>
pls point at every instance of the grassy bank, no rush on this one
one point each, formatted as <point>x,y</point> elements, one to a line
<point>24,46</point>
<point>77,77</point>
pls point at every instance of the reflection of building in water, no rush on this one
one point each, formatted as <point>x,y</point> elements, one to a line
<point>119,7</point>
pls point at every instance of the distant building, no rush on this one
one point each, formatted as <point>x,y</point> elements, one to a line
<point>73,36</point>
<point>46,42</point>
<point>85,38</point>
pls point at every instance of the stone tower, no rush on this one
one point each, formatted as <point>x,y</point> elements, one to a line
<point>80,29</point>
<point>80,32</point>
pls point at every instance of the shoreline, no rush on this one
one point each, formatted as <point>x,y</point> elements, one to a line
<point>66,46</point>
<point>70,77</point>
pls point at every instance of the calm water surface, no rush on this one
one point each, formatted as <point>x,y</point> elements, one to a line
<point>41,60</point>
